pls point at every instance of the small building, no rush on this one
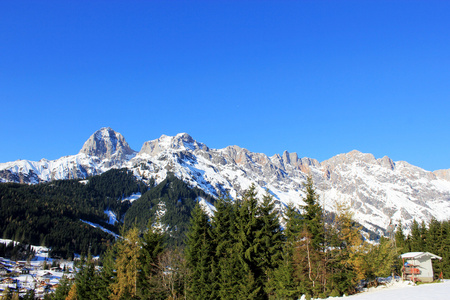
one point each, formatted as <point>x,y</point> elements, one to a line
<point>417,266</point>
<point>4,271</point>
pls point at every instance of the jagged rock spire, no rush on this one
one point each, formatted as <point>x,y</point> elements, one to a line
<point>107,144</point>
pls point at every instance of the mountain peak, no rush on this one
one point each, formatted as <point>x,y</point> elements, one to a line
<point>181,141</point>
<point>106,143</point>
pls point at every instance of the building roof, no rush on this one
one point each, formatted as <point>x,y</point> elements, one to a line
<point>417,255</point>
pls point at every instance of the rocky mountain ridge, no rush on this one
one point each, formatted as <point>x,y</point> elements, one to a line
<point>377,190</point>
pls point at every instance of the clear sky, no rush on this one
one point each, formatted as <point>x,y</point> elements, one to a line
<point>314,77</point>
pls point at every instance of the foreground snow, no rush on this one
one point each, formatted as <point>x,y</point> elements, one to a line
<point>405,291</point>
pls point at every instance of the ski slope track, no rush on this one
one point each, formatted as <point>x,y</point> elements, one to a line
<point>378,191</point>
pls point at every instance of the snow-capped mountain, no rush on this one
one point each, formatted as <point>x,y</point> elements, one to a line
<point>105,149</point>
<point>377,190</point>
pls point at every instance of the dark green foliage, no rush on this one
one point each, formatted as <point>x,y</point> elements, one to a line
<point>152,246</point>
<point>248,246</point>
<point>86,280</point>
<point>128,184</point>
<point>232,256</point>
<point>416,240</point>
<point>176,198</point>
<point>281,282</point>
<point>224,266</point>
<point>313,215</point>
<point>107,274</point>
<point>400,239</point>
<point>49,214</point>
<point>269,236</point>
<point>434,238</point>
<point>16,251</point>
<point>199,254</point>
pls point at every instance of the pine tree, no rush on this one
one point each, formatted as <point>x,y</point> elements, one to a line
<point>416,242</point>
<point>308,259</point>
<point>400,239</point>
<point>269,237</point>
<point>444,250</point>
<point>380,259</point>
<point>86,280</point>
<point>248,246</point>
<point>433,236</point>
<point>281,284</point>
<point>63,289</point>
<point>293,223</point>
<point>152,245</point>
<point>223,232</point>
<point>308,265</point>
<point>107,275</point>
<point>199,255</point>
<point>313,215</point>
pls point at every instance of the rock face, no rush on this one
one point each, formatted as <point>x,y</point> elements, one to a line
<point>376,190</point>
<point>107,144</point>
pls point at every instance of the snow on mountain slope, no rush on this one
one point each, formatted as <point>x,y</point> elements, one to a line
<point>104,150</point>
<point>377,190</point>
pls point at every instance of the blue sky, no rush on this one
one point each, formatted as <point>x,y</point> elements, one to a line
<point>314,77</point>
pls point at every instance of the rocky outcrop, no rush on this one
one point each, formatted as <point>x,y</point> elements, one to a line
<point>108,144</point>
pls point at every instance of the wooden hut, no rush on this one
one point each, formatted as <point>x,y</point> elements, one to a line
<point>417,266</point>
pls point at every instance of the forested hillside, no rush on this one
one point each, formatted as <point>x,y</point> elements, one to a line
<point>243,253</point>
<point>169,204</point>
<point>49,214</point>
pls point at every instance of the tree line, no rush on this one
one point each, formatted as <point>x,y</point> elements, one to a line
<point>241,252</point>
<point>48,214</point>
<point>433,237</point>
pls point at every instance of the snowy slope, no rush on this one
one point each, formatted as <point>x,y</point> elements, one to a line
<point>377,190</point>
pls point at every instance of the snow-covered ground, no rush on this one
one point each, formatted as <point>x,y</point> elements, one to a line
<point>132,197</point>
<point>100,227</point>
<point>404,290</point>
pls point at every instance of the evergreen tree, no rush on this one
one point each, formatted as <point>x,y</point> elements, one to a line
<point>313,215</point>
<point>269,237</point>
<point>223,232</point>
<point>63,289</point>
<point>380,259</point>
<point>85,280</point>
<point>107,275</point>
<point>308,265</point>
<point>281,283</point>
<point>308,256</point>
<point>416,242</point>
<point>293,224</point>
<point>444,250</point>
<point>433,236</point>
<point>248,246</point>
<point>199,255</point>
<point>152,245</point>
<point>400,239</point>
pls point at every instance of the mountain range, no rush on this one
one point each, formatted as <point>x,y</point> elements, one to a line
<point>378,191</point>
